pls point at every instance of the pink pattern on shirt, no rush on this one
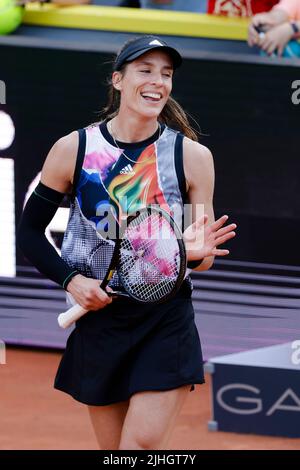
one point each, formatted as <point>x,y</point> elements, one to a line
<point>103,160</point>
<point>100,160</point>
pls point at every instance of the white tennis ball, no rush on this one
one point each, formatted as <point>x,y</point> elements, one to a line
<point>10,16</point>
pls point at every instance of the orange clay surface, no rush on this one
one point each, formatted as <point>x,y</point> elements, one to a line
<point>35,416</point>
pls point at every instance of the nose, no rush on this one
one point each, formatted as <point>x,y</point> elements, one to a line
<point>156,79</point>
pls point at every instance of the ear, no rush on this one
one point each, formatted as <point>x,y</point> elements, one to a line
<point>117,80</point>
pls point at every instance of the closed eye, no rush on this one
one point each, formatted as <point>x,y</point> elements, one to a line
<point>149,71</point>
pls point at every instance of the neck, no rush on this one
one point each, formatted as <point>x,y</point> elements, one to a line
<point>132,129</point>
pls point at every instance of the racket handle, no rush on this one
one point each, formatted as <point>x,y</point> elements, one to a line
<point>67,318</point>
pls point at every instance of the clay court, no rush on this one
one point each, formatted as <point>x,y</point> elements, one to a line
<point>34,416</point>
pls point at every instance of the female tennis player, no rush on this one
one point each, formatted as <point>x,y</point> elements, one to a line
<point>133,364</point>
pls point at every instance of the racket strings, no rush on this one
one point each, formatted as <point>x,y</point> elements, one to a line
<point>99,261</point>
<point>150,258</point>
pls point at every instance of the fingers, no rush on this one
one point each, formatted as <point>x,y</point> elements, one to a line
<point>263,20</point>
<point>217,252</point>
<point>276,40</point>
<point>190,234</point>
<point>200,222</point>
<point>223,235</point>
<point>87,293</point>
<point>94,298</point>
<point>253,36</point>
<point>225,238</point>
<point>110,293</point>
<point>218,223</point>
<point>101,295</point>
<point>268,45</point>
<point>280,50</point>
<point>226,229</point>
<point>215,234</point>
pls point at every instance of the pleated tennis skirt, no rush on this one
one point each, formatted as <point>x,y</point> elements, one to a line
<point>128,347</point>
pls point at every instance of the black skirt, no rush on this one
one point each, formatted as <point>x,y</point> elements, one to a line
<point>127,348</point>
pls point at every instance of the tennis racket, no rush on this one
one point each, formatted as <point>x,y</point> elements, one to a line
<point>149,257</point>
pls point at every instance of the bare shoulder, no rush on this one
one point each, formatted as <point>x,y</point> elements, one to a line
<point>64,149</point>
<point>67,142</point>
<point>59,166</point>
<point>198,162</point>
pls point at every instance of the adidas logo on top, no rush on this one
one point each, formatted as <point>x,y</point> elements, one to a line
<point>127,169</point>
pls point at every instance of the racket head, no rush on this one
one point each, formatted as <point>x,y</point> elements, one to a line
<point>152,258</point>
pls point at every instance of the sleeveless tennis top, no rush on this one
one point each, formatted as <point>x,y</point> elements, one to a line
<point>111,181</point>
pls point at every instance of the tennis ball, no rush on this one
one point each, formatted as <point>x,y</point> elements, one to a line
<point>10,16</point>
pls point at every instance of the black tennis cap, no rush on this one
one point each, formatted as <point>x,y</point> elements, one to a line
<point>140,46</point>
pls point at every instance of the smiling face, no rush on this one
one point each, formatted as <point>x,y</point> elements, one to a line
<point>146,84</point>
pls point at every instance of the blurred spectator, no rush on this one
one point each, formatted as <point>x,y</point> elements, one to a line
<point>242,8</point>
<point>198,6</point>
<point>216,7</point>
<point>280,26</point>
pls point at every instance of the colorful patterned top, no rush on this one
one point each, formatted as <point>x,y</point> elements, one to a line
<point>110,182</point>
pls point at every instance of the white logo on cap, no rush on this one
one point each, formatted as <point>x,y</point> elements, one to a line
<point>155,42</point>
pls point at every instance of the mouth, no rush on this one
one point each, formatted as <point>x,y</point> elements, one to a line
<point>151,96</point>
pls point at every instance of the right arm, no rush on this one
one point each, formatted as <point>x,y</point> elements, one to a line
<point>56,180</point>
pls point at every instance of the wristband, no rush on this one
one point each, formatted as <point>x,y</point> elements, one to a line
<point>295,29</point>
<point>194,263</point>
<point>69,279</point>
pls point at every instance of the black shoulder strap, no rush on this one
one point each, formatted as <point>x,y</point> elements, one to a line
<point>79,160</point>
<point>179,166</point>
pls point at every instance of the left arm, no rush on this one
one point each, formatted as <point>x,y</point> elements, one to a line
<point>205,234</point>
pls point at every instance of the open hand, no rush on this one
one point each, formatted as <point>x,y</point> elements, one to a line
<point>276,39</point>
<point>262,21</point>
<point>201,240</point>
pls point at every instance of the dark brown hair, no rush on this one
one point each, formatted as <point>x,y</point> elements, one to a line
<point>172,114</point>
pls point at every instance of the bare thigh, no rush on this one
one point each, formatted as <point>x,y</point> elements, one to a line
<point>107,422</point>
<point>151,418</point>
